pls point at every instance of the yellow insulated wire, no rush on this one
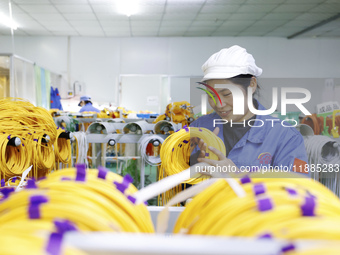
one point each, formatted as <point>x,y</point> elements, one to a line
<point>17,243</point>
<point>92,204</point>
<point>175,155</point>
<point>218,211</point>
<point>62,149</point>
<point>13,160</point>
<point>19,118</point>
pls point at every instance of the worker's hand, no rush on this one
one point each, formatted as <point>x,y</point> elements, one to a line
<point>195,141</point>
<point>222,160</point>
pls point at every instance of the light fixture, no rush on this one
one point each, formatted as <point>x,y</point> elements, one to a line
<point>8,22</point>
<point>128,7</point>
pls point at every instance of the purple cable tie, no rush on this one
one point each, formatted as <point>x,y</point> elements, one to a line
<point>102,172</point>
<point>64,226</point>
<point>124,184</point>
<point>23,139</point>
<point>185,141</point>
<point>33,209</point>
<point>3,183</point>
<point>173,149</point>
<point>81,172</point>
<point>132,199</point>
<point>245,179</point>
<point>308,207</point>
<point>207,154</point>
<point>54,244</point>
<point>14,179</point>
<point>29,133</point>
<point>66,179</point>
<point>264,204</point>
<point>31,184</point>
<point>177,130</point>
<point>266,236</point>
<point>9,137</point>
<point>291,192</point>
<point>22,144</point>
<point>35,140</point>
<point>200,130</point>
<point>288,247</point>
<point>7,191</point>
<point>259,188</point>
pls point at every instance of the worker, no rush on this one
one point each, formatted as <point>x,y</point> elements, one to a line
<point>249,146</point>
<point>86,105</point>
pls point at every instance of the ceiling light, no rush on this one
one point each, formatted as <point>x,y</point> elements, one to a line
<point>128,7</point>
<point>6,21</point>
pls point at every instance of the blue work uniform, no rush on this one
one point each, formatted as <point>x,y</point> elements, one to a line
<point>269,145</point>
<point>89,108</point>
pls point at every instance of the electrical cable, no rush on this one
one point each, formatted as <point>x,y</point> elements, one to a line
<point>176,151</point>
<point>156,142</point>
<point>288,207</point>
<point>81,147</point>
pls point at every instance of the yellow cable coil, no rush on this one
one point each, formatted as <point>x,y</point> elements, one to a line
<point>19,118</point>
<point>175,155</point>
<point>62,150</point>
<point>13,160</point>
<point>92,204</point>
<point>289,207</point>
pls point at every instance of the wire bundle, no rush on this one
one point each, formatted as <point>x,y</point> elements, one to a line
<point>62,150</point>
<point>37,131</point>
<point>90,199</point>
<point>176,150</point>
<point>324,153</point>
<point>288,206</point>
<point>81,147</point>
<point>144,144</point>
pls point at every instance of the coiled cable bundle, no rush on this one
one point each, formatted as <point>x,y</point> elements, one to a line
<point>153,141</point>
<point>89,199</point>
<point>176,151</point>
<point>284,205</point>
<point>62,149</point>
<point>40,144</point>
<point>81,147</point>
<point>324,158</point>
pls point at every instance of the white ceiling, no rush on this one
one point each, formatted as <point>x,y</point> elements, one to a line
<point>280,18</point>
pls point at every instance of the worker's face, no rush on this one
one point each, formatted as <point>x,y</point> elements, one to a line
<point>225,111</point>
<point>82,103</point>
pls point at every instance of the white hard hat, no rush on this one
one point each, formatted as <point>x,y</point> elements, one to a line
<point>230,62</point>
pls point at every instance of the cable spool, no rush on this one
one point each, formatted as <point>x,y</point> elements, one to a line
<point>284,205</point>
<point>62,121</point>
<point>315,122</point>
<point>101,128</point>
<point>146,141</point>
<point>164,127</point>
<point>305,130</point>
<point>139,127</point>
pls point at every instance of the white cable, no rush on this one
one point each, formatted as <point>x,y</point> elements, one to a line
<point>324,156</point>
<point>143,143</point>
<point>83,147</point>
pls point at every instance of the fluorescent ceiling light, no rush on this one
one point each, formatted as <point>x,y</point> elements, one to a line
<point>6,21</point>
<point>128,7</point>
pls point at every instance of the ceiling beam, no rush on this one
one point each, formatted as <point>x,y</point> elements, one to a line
<point>321,23</point>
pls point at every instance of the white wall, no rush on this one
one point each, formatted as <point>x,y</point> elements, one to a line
<point>98,62</point>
